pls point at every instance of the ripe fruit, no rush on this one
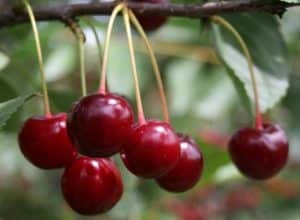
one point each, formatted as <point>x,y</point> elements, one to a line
<point>151,22</point>
<point>187,171</point>
<point>152,149</point>
<point>45,143</point>
<point>99,124</point>
<point>259,153</point>
<point>92,185</point>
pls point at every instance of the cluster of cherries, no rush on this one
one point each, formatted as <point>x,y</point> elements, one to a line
<point>99,126</point>
<point>102,125</point>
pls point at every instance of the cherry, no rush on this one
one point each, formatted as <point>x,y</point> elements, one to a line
<point>92,185</point>
<point>152,149</point>
<point>45,143</point>
<point>259,153</point>
<point>151,22</point>
<point>99,124</point>
<point>187,171</point>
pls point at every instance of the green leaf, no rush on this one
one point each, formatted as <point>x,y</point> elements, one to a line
<point>11,106</point>
<point>262,35</point>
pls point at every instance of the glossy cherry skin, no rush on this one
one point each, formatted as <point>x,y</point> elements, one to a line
<point>152,149</point>
<point>151,22</point>
<point>99,124</point>
<point>45,143</point>
<point>187,171</point>
<point>92,185</point>
<point>259,153</point>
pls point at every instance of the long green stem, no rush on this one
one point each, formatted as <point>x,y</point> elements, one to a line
<point>47,111</point>
<point>102,86</point>
<point>230,28</point>
<point>154,64</point>
<point>141,116</point>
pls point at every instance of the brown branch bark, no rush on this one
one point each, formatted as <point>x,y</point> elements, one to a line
<point>12,15</point>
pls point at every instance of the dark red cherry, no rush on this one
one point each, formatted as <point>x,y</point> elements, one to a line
<point>152,149</point>
<point>45,143</point>
<point>99,124</point>
<point>152,22</point>
<point>259,153</point>
<point>187,171</point>
<point>92,185</point>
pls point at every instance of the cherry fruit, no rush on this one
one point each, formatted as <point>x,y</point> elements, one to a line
<point>151,22</point>
<point>187,171</point>
<point>259,153</point>
<point>45,143</point>
<point>152,149</point>
<point>99,124</point>
<point>92,185</point>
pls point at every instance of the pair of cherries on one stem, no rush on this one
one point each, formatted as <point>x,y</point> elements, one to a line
<point>101,125</point>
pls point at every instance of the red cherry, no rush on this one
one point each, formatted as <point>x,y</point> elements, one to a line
<point>152,22</point>
<point>152,149</point>
<point>99,124</point>
<point>187,171</point>
<point>259,153</point>
<point>45,143</point>
<point>92,185</point>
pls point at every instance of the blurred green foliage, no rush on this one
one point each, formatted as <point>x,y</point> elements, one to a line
<point>208,98</point>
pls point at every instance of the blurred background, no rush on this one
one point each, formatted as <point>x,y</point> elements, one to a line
<point>209,92</point>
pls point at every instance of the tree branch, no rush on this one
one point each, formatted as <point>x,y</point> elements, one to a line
<point>14,15</point>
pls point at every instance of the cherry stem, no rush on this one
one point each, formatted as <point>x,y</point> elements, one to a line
<point>157,73</point>
<point>102,86</point>
<point>141,115</point>
<point>47,111</point>
<point>230,28</point>
<point>98,43</point>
